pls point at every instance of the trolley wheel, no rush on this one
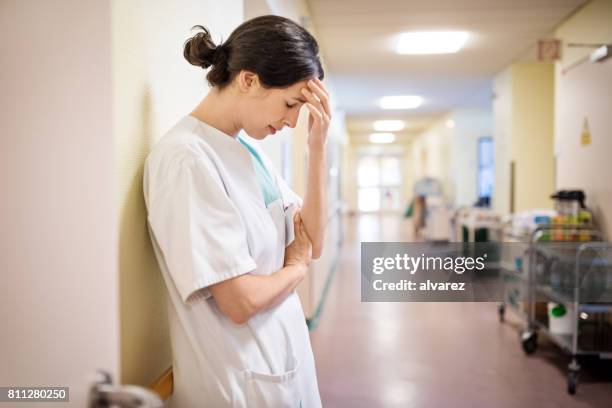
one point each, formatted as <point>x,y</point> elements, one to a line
<point>529,341</point>
<point>501,309</point>
<point>572,382</point>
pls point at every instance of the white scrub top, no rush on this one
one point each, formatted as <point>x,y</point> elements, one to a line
<point>209,222</point>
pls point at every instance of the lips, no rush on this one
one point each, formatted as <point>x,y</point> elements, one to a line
<point>271,129</point>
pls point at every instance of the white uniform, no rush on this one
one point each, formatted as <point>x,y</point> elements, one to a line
<point>208,223</point>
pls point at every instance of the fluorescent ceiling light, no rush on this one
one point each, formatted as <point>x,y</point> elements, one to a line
<point>382,138</point>
<point>401,102</point>
<point>450,123</point>
<point>431,42</point>
<point>388,125</point>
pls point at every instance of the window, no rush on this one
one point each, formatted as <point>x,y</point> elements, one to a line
<point>486,168</point>
<point>379,179</point>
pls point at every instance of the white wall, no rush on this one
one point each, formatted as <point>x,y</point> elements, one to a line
<point>502,139</point>
<point>58,256</point>
<point>584,92</point>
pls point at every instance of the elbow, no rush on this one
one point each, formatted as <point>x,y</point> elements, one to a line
<point>318,245</point>
<point>317,250</point>
<point>238,318</point>
<point>235,300</point>
<point>242,311</point>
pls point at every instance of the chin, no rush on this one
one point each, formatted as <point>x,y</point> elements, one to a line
<point>259,135</point>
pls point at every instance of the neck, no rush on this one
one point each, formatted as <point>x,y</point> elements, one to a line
<point>218,109</point>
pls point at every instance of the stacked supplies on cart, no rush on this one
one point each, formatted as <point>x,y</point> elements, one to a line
<point>569,272</point>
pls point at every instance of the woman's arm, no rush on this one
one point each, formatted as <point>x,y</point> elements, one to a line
<point>244,296</point>
<point>314,211</point>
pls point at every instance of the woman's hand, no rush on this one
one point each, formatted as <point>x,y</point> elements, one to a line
<point>244,296</point>
<point>299,252</point>
<point>317,102</point>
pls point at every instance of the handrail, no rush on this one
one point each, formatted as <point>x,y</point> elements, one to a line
<point>336,207</point>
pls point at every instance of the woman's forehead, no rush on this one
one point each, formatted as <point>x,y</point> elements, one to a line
<point>295,90</point>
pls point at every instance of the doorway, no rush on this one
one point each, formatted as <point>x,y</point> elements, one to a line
<point>379,180</point>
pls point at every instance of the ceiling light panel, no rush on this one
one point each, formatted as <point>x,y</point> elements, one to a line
<point>388,125</point>
<point>431,42</point>
<point>401,102</point>
<point>382,138</point>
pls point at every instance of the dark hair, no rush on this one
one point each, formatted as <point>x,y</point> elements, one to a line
<point>278,50</point>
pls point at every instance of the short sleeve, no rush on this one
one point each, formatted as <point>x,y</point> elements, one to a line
<point>198,229</point>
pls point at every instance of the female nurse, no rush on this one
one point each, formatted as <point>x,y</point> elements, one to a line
<point>232,239</point>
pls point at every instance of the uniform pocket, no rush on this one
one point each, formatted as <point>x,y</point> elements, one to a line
<point>279,390</point>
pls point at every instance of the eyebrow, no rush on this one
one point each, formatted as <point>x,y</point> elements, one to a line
<point>300,99</point>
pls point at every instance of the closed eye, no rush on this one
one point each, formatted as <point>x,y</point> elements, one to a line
<point>290,106</point>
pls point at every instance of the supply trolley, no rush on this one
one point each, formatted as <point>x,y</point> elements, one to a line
<point>513,270</point>
<point>514,265</point>
<point>573,278</point>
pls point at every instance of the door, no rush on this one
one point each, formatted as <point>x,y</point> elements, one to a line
<point>58,257</point>
<point>379,180</point>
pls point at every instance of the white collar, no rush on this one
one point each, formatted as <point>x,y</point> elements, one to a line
<point>216,137</point>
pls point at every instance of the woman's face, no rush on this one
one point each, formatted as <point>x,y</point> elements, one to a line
<point>267,110</point>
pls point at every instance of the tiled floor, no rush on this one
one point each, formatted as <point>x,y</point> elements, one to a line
<point>433,354</point>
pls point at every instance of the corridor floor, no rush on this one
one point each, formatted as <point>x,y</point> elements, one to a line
<point>433,354</point>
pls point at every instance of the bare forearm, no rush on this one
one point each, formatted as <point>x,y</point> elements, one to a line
<point>314,210</point>
<point>242,297</point>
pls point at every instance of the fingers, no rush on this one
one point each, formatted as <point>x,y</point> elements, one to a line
<point>312,99</point>
<point>320,91</point>
<point>321,85</point>
<point>299,229</point>
<point>315,113</point>
<point>318,100</point>
<point>297,224</point>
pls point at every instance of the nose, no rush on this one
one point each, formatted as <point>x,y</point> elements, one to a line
<point>291,119</point>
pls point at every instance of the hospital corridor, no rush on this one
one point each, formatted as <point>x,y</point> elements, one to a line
<point>306,203</point>
<point>431,354</point>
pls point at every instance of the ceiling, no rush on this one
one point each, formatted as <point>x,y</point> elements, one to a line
<point>358,37</point>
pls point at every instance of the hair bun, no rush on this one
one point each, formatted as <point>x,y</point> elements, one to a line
<point>220,54</point>
<point>257,45</point>
<point>200,50</point>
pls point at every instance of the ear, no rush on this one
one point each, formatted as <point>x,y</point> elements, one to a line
<point>248,81</point>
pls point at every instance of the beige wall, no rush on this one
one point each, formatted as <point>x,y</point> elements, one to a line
<point>153,86</point>
<point>59,291</point>
<point>532,135</point>
<point>430,155</point>
<point>584,93</point>
<point>592,24</point>
<point>523,133</point>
